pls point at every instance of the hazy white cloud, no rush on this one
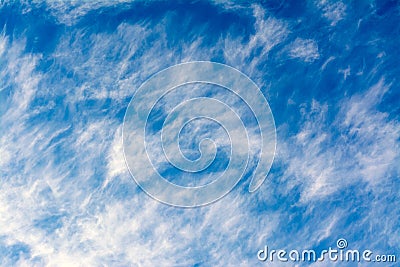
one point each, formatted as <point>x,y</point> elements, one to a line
<point>366,150</point>
<point>60,189</point>
<point>269,32</point>
<point>306,50</point>
<point>376,148</point>
<point>69,12</point>
<point>333,11</point>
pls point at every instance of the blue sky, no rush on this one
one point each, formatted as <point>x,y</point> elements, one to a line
<point>68,69</point>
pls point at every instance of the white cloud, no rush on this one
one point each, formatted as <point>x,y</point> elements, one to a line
<point>269,32</point>
<point>69,12</point>
<point>333,11</point>
<point>306,50</point>
<point>366,150</point>
<point>75,169</point>
<point>376,147</point>
<point>116,162</point>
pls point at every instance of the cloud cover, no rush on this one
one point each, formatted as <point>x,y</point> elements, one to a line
<point>66,197</point>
